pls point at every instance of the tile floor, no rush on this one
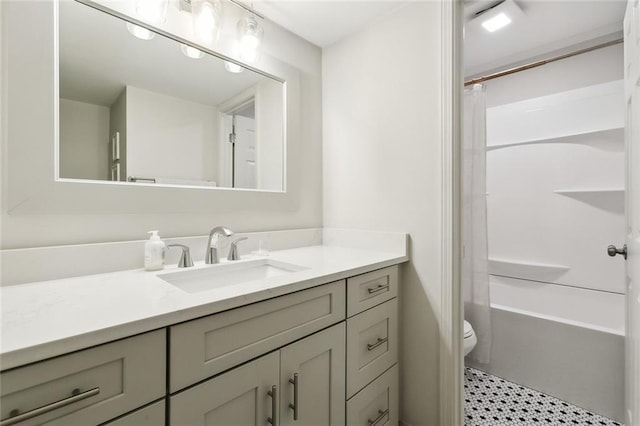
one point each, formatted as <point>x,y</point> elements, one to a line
<point>492,401</point>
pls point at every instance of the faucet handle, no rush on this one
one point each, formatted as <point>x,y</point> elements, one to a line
<point>233,249</point>
<point>185,258</point>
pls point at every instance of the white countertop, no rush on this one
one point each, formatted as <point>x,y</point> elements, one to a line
<point>49,318</point>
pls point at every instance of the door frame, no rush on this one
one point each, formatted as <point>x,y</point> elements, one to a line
<point>451,315</point>
<point>225,153</point>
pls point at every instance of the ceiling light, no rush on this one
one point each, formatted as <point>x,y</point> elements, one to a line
<point>207,20</point>
<point>495,23</point>
<point>191,52</point>
<point>495,17</point>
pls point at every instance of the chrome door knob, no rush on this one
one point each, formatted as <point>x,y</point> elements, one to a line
<point>613,250</point>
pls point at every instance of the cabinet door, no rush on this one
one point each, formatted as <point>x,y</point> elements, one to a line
<point>236,398</point>
<point>153,415</point>
<point>314,370</point>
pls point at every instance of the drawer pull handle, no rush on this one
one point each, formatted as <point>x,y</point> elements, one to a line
<point>76,396</point>
<point>273,393</point>
<point>380,341</point>
<point>381,415</point>
<point>294,406</point>
<point>377,289</point>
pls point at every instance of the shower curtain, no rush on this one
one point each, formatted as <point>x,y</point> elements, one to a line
<point>475,274</point>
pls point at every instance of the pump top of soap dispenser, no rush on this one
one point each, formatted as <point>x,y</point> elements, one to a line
<point>154,235</point>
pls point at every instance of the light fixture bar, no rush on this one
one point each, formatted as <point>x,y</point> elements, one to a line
<point>186,6</point>
<point>247,8</point>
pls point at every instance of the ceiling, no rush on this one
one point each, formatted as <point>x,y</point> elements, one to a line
<point>324,22</point>
<point>547,26</point>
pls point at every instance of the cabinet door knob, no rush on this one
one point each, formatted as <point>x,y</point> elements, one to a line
<point>76,396</point>
<point>273,393</point>
<point>294,406</point>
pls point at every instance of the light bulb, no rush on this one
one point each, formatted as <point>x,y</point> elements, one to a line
<point>152,11</point>
<point>231,67</point>
<point>250,39</point>
<point>191,52</point>
<point>207,20</point>
<point>139,32</point>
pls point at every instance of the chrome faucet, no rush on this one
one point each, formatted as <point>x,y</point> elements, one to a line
<point>233,249</point>
<point>211,256</point>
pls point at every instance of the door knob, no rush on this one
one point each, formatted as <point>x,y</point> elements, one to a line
<point>613,250</point>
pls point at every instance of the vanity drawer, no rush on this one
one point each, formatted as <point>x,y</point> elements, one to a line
<point>90,386</point>
<point>368,290</point>
<point>153,415</point>
<point>204,347</point>
<point>372,344</point>
<point>377,404</point>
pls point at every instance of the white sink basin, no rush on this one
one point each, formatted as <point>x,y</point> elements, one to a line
<point>223,275</point>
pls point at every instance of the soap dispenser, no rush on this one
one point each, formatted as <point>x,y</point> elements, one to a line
<point>154,252</point>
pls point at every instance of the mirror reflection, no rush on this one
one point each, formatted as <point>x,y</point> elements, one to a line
<point>155,111</point>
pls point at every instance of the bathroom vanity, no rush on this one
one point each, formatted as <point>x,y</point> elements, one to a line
<point>311,346</point>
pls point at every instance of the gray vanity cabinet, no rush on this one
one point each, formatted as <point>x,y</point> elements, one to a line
<point>302,383</point>
<point>314,369</point>
<point>323,356</point>
<point>86,387</point>
<point>238,397</point>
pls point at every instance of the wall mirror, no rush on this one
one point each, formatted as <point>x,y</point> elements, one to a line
<point>159,112</point>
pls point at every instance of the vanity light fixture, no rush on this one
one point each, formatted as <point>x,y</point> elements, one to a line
<point>151,11</point>
<point>498,16</point>
<point>250,34</point>
<point>191,52</point>
<point>139,32</point>
<point>207,20</point>
<point>233,68</point>
<point>234,52</point>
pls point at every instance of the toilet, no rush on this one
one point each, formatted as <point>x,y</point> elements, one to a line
<point>470,338</point>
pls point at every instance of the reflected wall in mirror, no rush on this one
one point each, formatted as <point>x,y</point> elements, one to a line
<point>142,111</point>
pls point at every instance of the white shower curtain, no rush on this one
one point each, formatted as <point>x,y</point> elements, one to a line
<point>475,276</point>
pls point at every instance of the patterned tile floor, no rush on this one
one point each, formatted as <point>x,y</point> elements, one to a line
<point>492,401</point>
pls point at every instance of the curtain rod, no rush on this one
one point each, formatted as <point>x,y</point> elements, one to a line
<point>539,63</point>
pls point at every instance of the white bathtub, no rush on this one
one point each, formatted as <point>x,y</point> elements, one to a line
<point>564,341</point>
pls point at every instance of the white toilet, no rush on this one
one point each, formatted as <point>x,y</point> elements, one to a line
<point>470,338</point>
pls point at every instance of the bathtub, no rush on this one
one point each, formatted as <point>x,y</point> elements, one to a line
<point>564,341</point>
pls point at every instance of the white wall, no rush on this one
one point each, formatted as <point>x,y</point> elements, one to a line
<point>382,171</point>
<point>574,109</point>
<point>598,66</point>
<point>84,140</point>
<point>270,133</point>
<point>36,211</point>
<point>170,137</point>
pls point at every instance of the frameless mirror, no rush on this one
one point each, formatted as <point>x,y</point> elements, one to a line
<point>161,113</point>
